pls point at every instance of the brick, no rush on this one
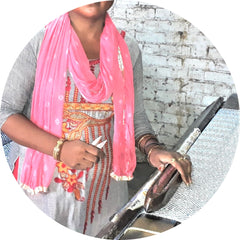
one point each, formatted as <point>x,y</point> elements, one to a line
<point>171,50</point>
<point>168,140</point>
<point>119,13</point>
<point>133,25</point>
<point>218,77</point>
<point>152,26</point>
<point>182,50</point>
<point>196,63</point>
<point>166,49</point>
<point>182,131</point>
<point>154,38</point>
<point>149,93</point>
<point>199,50</point>
<point>213,53</point>
<point>140,14</point>
<point>125,4</point>
<point>121,24</point>
<point>180,73</point>
<point>210,66</point>
<point>174,61</point>
<point>164,26</point>
<point>170,26</point>
<point>178,120</point>
<point>168,97</point>
<point>164,14</point>
<point>198,87</point>
<point>150,71</point>
<point>220,66</point>
<point>207,100</point>
<point>175,109</point>
<point>196,74</point>
<point>194,36</point>
<point>151,49</point>
<point>173,38</point>
<point>153,105</point>
<point>223,89</point>
<point>154,60</point>
<point>194,98</point>
<point>165,72</point>
<point>168,128</point>
<point>166,84</point>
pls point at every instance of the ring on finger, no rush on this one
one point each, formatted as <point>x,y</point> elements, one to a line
<point>180,159</point>
<point>185,157</point>
<point>173,160</point>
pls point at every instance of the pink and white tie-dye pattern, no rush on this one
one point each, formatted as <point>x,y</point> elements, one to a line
<point>60,51</point>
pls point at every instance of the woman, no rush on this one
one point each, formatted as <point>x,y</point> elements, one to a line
<point>76,80</point>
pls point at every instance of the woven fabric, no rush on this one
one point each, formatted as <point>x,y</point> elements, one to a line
<point>211,156</point>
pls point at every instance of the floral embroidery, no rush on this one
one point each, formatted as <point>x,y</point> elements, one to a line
<point>77,124</point>
<point>70,180</point>
<point>89,106</point>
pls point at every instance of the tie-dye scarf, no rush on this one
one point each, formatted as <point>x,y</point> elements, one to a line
<point>60,51</point>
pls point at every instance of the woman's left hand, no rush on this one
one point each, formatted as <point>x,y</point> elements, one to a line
<point>159,158</point>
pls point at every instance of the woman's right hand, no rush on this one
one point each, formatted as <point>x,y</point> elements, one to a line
<point>79,155</point>
<point>75,154</point>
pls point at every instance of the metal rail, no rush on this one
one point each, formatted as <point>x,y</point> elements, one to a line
<point>138,204</point>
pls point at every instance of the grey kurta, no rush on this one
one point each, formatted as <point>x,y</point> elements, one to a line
<point>58,203</point>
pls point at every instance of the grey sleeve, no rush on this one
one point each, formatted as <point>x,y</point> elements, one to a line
<point>19,86</point>
<point>141,123</point>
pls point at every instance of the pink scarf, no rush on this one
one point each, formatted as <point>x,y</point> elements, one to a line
<point>60,51</point>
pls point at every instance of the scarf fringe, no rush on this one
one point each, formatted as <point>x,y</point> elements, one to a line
<point>120,178</point>
<point>34,191</point>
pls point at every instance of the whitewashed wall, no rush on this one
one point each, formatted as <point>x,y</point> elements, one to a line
<point>183,71</point>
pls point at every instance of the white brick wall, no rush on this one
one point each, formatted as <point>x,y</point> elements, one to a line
<point>183,71</point>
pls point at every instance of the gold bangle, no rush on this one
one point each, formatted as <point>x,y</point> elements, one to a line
<point>57,149</point>
<point>142,138</point>
<point>150,145</point>
<point>150,151</point>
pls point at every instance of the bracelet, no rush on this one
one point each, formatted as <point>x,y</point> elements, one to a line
<point>142,138</point>
<point>57,149</point>
<point>141,143</point>
<point>150,151</point>
<point>150,145</point>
